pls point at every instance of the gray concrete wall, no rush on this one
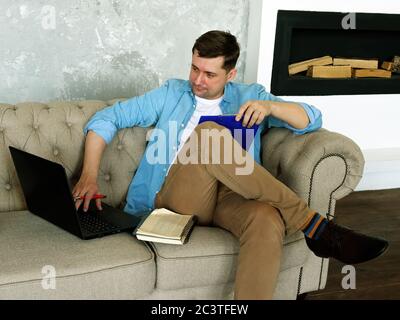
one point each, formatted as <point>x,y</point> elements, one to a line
<point>101,49</point>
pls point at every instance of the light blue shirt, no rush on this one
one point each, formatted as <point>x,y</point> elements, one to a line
<point>174,102</point>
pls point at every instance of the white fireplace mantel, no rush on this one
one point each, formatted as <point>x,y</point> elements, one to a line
<point>372,121</point>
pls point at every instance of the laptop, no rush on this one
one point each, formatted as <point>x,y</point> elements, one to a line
<point>48,195</point>
<point>243,135</point>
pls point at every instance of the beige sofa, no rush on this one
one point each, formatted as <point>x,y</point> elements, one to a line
<point>321,167</point>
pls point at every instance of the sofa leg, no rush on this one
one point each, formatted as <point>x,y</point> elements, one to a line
<point>302,296</point>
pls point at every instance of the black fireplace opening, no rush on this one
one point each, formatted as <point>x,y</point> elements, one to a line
<point>304,35</point>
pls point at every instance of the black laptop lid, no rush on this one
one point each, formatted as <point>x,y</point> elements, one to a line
<point>46,189</point>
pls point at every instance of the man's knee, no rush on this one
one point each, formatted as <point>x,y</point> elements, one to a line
<point>265,221</point>
<point>212,133</point>
<point>215,142</point>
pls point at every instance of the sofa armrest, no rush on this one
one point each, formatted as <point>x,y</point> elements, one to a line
<point>320,167</point>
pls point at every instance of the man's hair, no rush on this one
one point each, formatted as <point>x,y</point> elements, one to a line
<point>217,43</point>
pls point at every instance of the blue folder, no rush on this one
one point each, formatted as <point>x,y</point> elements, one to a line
<point>229,122</point>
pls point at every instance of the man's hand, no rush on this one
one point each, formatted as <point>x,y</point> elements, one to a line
<point>86,187</point>
<point>254,112</point>
<point>87,184</point>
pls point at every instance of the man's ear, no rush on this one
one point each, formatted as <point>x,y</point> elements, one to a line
<point>232,74</point>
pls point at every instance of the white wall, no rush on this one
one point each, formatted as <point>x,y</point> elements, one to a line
<point>372,121</point>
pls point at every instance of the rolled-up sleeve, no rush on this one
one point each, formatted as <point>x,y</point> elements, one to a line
<point>142,111</point>
<point>314,115</point>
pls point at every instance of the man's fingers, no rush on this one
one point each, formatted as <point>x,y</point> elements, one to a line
<point>83,194</point>
<point>86,204</point>
<point>260,118</point>
<point>242,109</point>
<point>253,119</point>
<point>98,204</point>
<point>75,194</point>
<point>78,204</point>
<point>249,112</point>
<point>88,197</point>
<point>257,115</point>
<point>86,201</point>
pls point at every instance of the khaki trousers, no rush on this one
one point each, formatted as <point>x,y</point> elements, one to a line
<point>257,208</point>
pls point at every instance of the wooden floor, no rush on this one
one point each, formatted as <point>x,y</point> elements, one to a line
<point>375,213</point>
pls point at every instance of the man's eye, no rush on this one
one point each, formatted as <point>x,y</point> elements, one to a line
<point>210,75</point>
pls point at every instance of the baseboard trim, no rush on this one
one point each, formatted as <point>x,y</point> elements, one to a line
<point>381,171</point>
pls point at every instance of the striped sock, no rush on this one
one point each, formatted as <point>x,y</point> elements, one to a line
<point>315,227</point>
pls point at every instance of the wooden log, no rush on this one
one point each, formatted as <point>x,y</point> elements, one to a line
<point>304,65</point>
<point>329,72</point>
<point>371,73</point>
<point>356,63</point>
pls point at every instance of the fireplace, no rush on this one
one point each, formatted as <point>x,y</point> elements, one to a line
<point>304,35</point>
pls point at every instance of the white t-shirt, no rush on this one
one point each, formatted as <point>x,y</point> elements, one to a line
<point>204,107</point>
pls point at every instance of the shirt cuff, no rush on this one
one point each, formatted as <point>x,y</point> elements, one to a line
<point>314,117</point>
<point>102,128</point>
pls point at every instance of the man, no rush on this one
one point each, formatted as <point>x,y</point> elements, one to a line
<point>257,208</point>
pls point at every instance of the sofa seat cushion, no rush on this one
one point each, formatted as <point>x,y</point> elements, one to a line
<point>209,258</point>
<point>113,267</point>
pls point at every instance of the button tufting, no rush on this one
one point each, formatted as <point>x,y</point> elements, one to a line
<point>8,187</point>
<point>107,177</point>
<point>119,147</point>
<point>35,127</point>
<point>55,152</point>
<point>69,124</point>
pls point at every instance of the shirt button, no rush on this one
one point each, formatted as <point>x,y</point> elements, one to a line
<point>164,170</point>
<point>174,148</point>
<point>194,106</point>
<point>182,125</point>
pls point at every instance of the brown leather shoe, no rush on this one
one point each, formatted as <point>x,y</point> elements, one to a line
<point>346,245</point>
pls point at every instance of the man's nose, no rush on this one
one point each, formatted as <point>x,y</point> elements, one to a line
<point>199,79</point>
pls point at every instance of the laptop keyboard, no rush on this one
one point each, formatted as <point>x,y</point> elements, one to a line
<point>93,223</point>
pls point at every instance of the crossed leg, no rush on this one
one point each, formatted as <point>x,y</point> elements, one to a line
<point>257,208</point>
<point>191,188</point>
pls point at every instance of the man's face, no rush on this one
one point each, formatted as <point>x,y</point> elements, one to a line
<point>207,76</point>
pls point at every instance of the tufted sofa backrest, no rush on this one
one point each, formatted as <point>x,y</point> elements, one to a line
<point>55,131</point>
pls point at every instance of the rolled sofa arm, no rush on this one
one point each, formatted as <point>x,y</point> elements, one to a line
<point>320,167</point>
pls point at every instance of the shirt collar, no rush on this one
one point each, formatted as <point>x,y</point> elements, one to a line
<point>228,92</point>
